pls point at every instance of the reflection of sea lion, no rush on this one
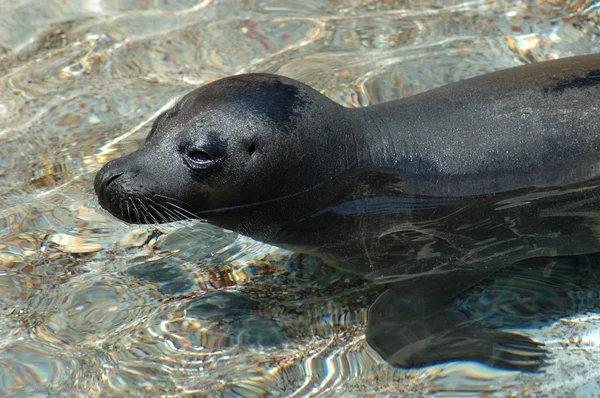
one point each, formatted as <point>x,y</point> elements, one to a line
<point>431,193</point>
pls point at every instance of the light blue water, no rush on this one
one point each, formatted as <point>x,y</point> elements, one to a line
<point>93,307</point>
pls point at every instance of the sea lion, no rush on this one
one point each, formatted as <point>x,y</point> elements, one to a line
<point>430,194</point>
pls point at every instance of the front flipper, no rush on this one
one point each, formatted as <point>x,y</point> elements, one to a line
<point>415,327</point>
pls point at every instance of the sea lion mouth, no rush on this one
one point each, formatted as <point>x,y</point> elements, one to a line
<point>160,209</point>
<point>261,203</point>
<point>126,200</point>
<point>134,207</point>
<point>143,209</point>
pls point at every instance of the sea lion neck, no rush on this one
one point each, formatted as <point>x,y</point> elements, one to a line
<point>373,125</point>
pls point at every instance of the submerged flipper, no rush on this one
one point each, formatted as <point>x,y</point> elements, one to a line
<point>415,326</point>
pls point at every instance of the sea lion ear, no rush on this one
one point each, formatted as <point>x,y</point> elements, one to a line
<point>252,148</point>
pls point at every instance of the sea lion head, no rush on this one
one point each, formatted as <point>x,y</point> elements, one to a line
<point>239,141</point>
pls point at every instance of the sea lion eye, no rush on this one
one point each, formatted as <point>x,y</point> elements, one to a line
<point>199,157</point>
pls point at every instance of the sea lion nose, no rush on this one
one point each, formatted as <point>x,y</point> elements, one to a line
<point>104,178</point>
<point>111,178</point>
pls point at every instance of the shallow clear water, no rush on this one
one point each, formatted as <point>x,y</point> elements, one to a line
<point>93,307</point>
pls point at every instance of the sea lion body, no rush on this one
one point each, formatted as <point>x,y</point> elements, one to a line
<point>529,126</point>
<point>431,193</point>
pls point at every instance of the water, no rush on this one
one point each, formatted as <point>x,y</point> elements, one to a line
<point>93,307</point>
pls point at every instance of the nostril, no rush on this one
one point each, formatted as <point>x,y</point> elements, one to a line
<point>103,179</point>
<point>112,178</point>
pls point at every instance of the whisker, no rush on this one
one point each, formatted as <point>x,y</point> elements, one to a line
<point>183,211</point>
<point>128,212</point>
<point>158,213</point>
<point>121,207</point>
<point>170,212</point>
<point>147,212</point>
<point>179,214</point>
<point>137,213</point>
<point>169,198</point>
<point>173,216</point>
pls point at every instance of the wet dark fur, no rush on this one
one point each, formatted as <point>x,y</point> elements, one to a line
<point>430,194</point>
